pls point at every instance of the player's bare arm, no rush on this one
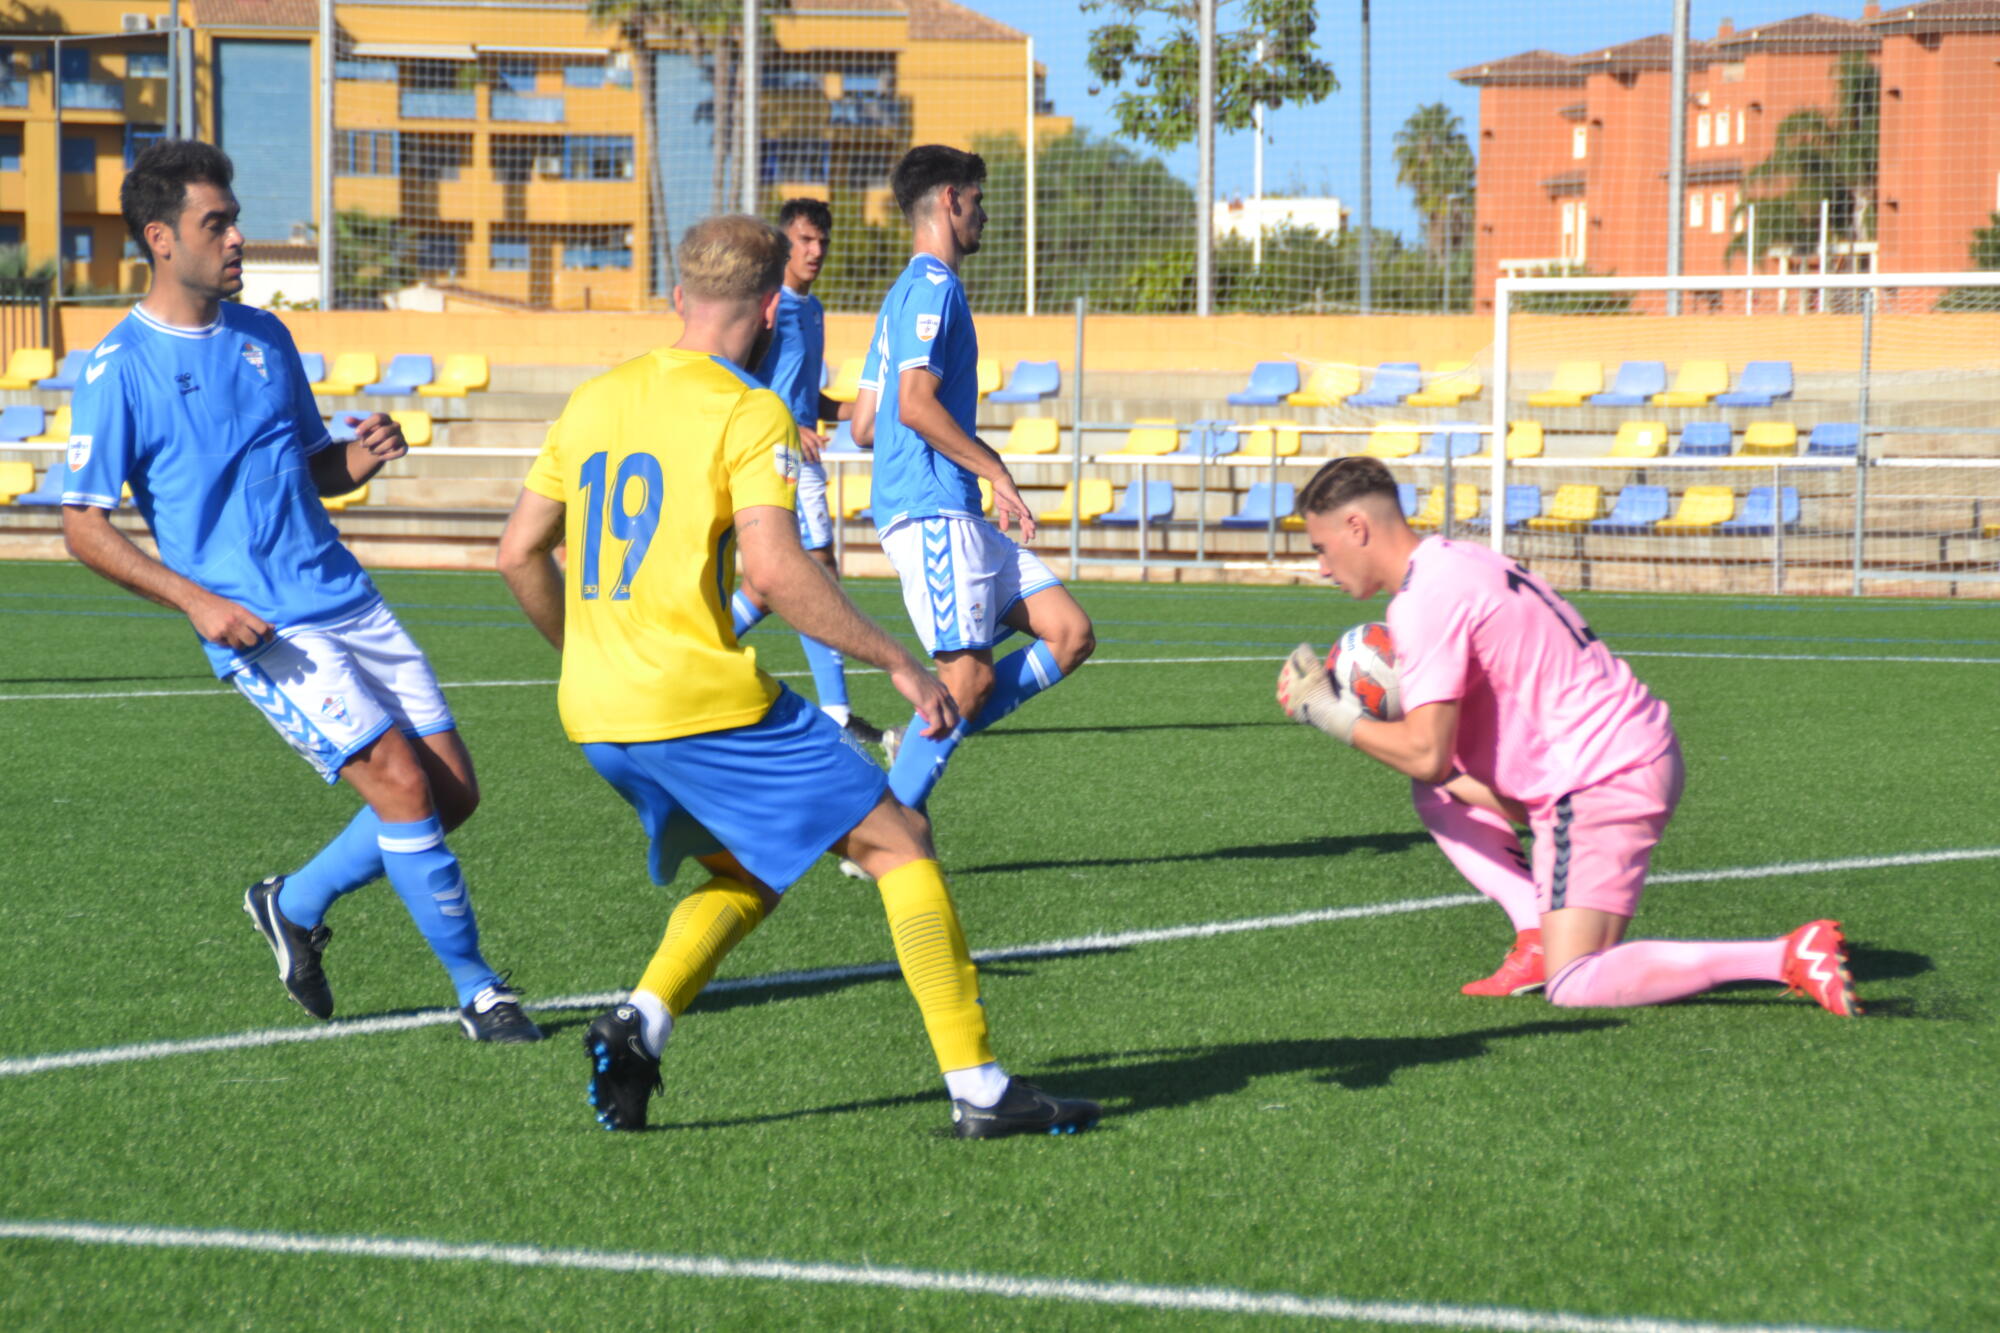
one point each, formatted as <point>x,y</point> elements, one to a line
<point>378,439</point>
<point>527,562</point>
<point>109,553</point>
<point>798,588</point>
<point>861,425</point>
<point>1418,745</point>
<point>918,408</point>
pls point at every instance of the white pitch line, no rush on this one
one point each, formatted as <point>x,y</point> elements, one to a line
<point>1081,944</point>
<point>1220,1300</point>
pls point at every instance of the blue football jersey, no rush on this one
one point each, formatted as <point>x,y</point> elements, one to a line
<point>212,428</point>
<point>925,323</point>
<point>791,366</point>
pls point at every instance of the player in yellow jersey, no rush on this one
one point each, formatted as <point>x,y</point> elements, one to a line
<point>660,477</point>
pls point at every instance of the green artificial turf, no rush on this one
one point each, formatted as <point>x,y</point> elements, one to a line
<point>1311,1109</point>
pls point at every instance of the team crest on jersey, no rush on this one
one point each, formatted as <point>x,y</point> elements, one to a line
<point>334,708</point>
<point>786,461</point>
<point>255,356</point>
<point>79,452</point>
<point>927,327</point>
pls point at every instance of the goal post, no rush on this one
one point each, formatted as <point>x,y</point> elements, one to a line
<point>1819,433</point>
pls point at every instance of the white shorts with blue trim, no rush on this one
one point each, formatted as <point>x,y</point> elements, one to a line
<point>961,576</point>
<point>815,523</point>
<point>330,690</point>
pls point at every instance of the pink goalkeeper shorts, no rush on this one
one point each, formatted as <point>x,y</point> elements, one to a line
<point>1593,846</point>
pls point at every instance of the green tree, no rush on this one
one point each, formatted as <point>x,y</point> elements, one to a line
<point>1985,258</point>
<point>1152,51</point>
<point>1819,154</point>
<point>1434,162</point>
<point>373,256</point>
<point>15,267</point>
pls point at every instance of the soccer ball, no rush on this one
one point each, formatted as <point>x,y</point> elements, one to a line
<point>1364,660</point>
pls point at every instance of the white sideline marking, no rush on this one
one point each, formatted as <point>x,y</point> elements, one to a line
<point>1224,1300</point>
<point>361,1027</point>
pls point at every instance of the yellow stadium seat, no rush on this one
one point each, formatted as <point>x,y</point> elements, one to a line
<point>1574,382</point>
<point>1329,385</point>
<point>1394,439</point>
<point>1524,440</point>
<point>1149,438</point>
<point>27,365</point>
<point>989,374</point>
<point>985,496</point>
<point>1992,530</point>
<point>57,430</point>
<point>1702,507</point>
<point>416,427</point>
<point>16,478</point>
<point>463,372</point>
<point>1265,439</point>
<point>1573,507</point>
<point>1096,502</point>
<point>1464,505</point>
<point>1033,435</point>
<point>1455,382</point>
<point>1640,439</point>
<point>350,371</point>
<point>855,493</point>
<point>358,496</point>
<point>1770,439</point>
<point>846,386</point>
<point>1697,382</point>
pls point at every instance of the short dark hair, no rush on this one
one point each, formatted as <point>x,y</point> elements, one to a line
<point>1346,480</point>
<point>155,189</point>
<point>814,211</point>
<point>930,166</point>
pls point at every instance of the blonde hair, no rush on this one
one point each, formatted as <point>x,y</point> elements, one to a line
<point>732,257</point>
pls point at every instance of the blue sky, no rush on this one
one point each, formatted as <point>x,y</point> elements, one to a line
<point>1416,44</point>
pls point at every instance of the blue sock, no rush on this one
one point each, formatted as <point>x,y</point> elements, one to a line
<point>920,763</point>
<point>1017,678</point>
<point>429,882</point>
<point>744,612</point>
<point>829,670</point>
<point>351,860</point>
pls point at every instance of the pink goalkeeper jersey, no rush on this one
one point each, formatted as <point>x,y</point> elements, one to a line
<point>1544,707</point>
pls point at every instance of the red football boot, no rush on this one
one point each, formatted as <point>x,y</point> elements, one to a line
<point>1522,971</point>
<point>1816,966</point>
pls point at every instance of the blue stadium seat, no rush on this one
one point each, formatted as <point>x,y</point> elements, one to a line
<point>1834,439</point>
<point>1261,508</point>
<point>49,492</point>
<point>406,371</point>
<point>1524,502</point>
<point>1394,381</point>
<point>1704,439</point>
<point>1754,519</point>
<point>1459,438</point>
<point>1407,497</point>
<point>842,439</point>
<point>1031,382</point>
<point>1635,386</point>
<point>1762,382</point>
<point>64,380</point>
<point>1637,510</point>
<point>1159,505</point>
<point>21,421</point>
<point>338,428</point>
<point>315,366</point>
<point>1270,381</point>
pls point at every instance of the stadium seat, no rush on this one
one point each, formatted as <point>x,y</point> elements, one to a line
<point>51,489</point>
<point>1524,440</point>
<point>1329,385</point>
<point>1158,500</point>
<point>1096,496</point>
<point>1754,519</point>
<point>350,371</point>
<point>1704,439</point>
<point>1524,501</point>
<point>1263,504</point>
<point>1575,381</point>
<point>27,367</point>
<point>1702,507</point>
<point>1394,381</point>
<point>1640,439</point>
<point>1762,382</point>
<point>1271,382</point>
<point>1209,439</point>
<point>16,478</point>
<point>1834,439</point>
<point>64,380</point>
<point>856,494</point>
<point>1394,439</point>
<point>314,365</point>
<point>1454,383</point>
<point>463,373</point>
<point>1637,381</point>
<point>1406,498</point>
<point>1770,439</point>
<point>1461,439</point>
<point>357,496</point>
<point>1637,510</point>
<point>1574,508</point>
<point>1029,435</point>
<point>1697,382</point>
<point>988,372</point>
<point>20,422</point>
<point>416,427</point>
<point>58,429</point>
<point>406,371</point>
<point>985,496</point>
<point>1991,530</point>
<point>1264,440</point>
<point>1150,437</point>
<point>846,386</point>
<point>1031,382</point>
<point>840,439</point>
<point>1464,506</point>
<point>338,428</point>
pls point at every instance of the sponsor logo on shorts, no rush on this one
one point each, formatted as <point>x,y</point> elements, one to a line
<point>334,708</point>
<point>79,451</point>
<point>927,327</point>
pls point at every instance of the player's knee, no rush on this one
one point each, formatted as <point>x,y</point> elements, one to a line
<point>456,804</point>
<point>1072,642</point>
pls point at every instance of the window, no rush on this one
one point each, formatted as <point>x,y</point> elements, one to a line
<point>1694,210</point>
<point>583,76</point>
<point>1722,129</point>
<point>365,71</point>
<point>146,65</point>
<point>794,160</point>
<point>515,74</point>
<point>75,65</point>
<point>1718,216</point>
<point>364,153</point>
<point>1740,139</point>
<point>137,138</point>
<point>1701,128</point>
<point>507,252</point>
<point>79,155</point>
<point>10,152</point>
<point>1736,213</point>
<point>441,252</point>
<point>1575,217</point>
<point>607,248</point>
<point>794,80</point>
<point>597,157</point>
<point>10,234</point>
<point>76,243</point>
<point>1579,142</point>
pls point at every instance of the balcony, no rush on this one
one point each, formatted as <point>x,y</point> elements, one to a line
<point>526,108</point>
<point>440,106</point>
<point>92,95</point>
<point>869,111</point>
<point>13,92</point>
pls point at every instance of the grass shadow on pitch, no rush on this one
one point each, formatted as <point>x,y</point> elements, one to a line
<point>1303,849</point>
<point>1000,733</point>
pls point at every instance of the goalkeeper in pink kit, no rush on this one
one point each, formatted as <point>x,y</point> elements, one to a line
<point>1514,713</point>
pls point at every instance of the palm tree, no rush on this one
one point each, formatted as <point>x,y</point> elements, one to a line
<point>1434,162</point>
<point>1818,155</point>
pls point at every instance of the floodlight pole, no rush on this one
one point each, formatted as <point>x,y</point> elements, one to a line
<point>1367,200</point>
<point>1028,141</point>
<point>326,218</point>
<point>172,127</point>
<point>1677,151</point>
<point>1204,236</point>
<point>752,81</point>
<point>1257,174</point>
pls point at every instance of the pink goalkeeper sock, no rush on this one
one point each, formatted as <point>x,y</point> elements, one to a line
<point>1484,848</point>
<point>1657,971</point>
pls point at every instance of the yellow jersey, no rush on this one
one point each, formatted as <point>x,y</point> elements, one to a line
<point>653,460</point>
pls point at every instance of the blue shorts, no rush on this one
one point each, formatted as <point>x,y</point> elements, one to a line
<point>776,794</point>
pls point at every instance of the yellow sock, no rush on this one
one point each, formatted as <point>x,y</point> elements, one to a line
<point>706,925</point>
<point>937,965</point>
